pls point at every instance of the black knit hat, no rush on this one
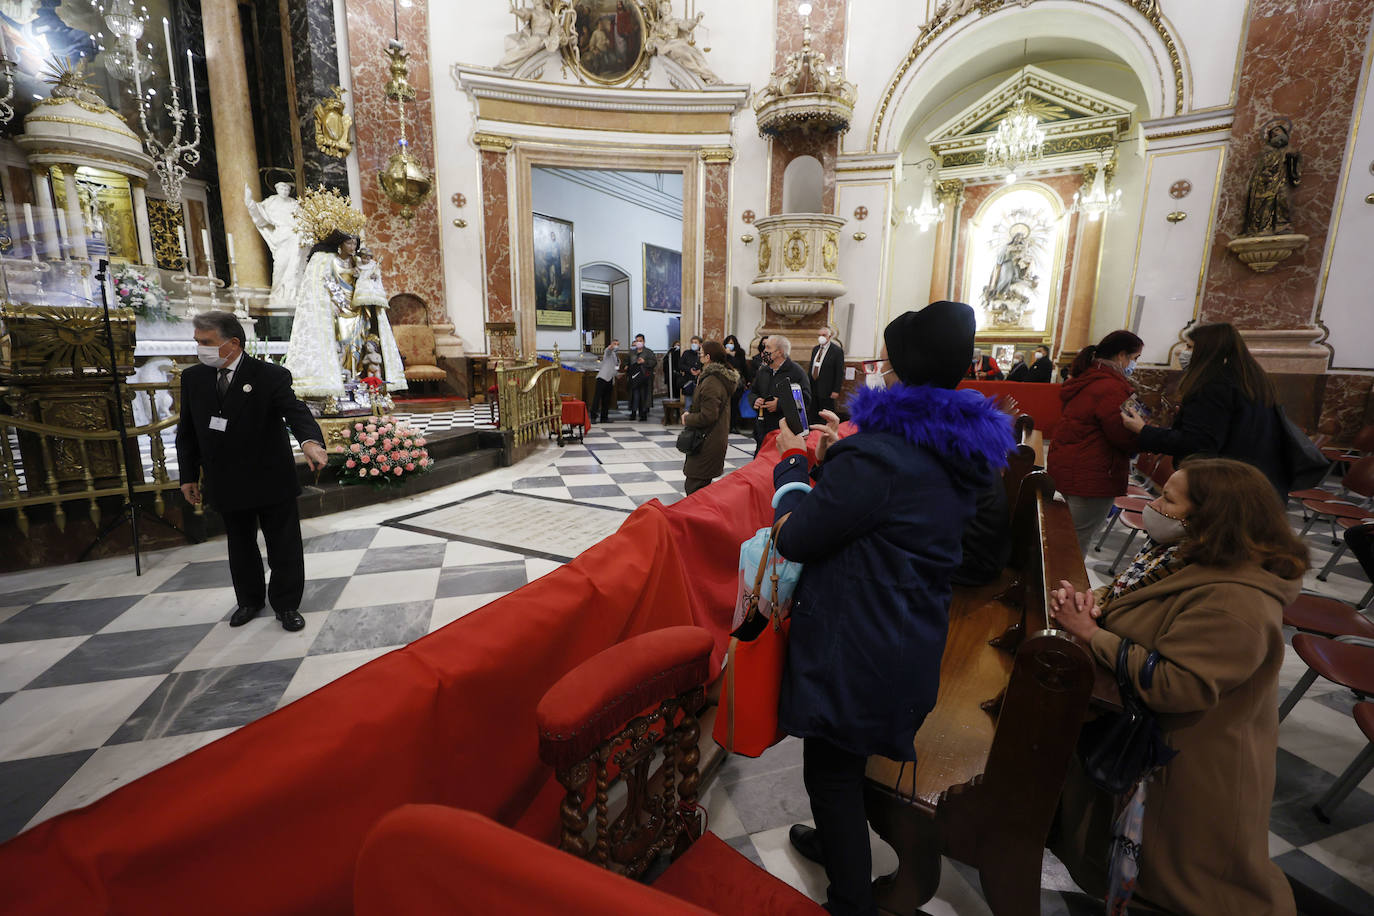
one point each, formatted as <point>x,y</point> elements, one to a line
<point>932,346</point>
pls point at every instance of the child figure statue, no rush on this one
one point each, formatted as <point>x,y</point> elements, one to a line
<point>370,303</point>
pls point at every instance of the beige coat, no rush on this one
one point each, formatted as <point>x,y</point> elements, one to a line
<point>1215,692</point>
<point>711,412</point>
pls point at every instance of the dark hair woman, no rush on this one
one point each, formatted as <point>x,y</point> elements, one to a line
<point>740,363</point>
<point>1207,595</point>
<point>880,537</point>
<point>1090,458</point>
<point>1226,407</point>
<point>710,412</point>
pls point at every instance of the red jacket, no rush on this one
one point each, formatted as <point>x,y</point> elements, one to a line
<point>1092,448</point>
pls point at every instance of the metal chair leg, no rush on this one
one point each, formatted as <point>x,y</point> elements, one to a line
<point>1357,770</point>
<point>1364,602</point>
<point>1331,563</point>
<point>1296,693</point>
<point>1308,527</point>
<point>1122,552</point>
<point>1116,514</point>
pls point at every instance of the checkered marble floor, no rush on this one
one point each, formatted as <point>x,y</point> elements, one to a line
<point>105,676</point>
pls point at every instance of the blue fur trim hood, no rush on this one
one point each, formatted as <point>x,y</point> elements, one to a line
<point>958,426</point>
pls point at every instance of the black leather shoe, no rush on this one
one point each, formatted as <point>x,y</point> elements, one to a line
<point>243,614</point>
<point>806,841</point>
<point>291,621</point>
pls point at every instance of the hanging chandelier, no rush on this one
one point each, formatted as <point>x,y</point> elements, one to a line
<point>1097,201</point>
<point>927,214</point>
<point>1018,142</point>
<point>124,21</point>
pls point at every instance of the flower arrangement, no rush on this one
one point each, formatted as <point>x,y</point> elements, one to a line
<point>140,291</point>
<point>380,451</point>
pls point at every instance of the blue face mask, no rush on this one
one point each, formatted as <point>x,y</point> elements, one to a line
<point>1130,369</point>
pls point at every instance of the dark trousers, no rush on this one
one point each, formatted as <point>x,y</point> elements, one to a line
<point>640,399</point>
<point>696,483</point>
<point>834,780</point>
<point>281,529</point>
<point>601,400</point>
<point>818,404</point>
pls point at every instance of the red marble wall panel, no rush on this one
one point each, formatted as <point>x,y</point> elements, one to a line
<point>824,148</point>
<point>715,251</point>
<point>827,22</point>
<point>409,253</point>
<point>1347,400</point>
<point>1301,61</point>
<point>496,238</point>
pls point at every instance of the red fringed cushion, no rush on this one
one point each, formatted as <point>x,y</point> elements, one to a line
<point>715,877</point>
<point>593,700</point>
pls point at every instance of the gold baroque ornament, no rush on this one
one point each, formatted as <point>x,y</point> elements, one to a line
<point>765,252</point>
<point>163,219</point>
<point>795,251</point>
<point>332,125</point>
<point>933,30</point>
<point>830,252</point>
<point>324,210</point>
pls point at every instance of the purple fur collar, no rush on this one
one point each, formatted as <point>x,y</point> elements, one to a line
<point>956,424</point>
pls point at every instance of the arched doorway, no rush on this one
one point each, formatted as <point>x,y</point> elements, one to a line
<point>605,305</point>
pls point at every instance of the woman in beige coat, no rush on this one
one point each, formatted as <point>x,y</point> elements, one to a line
<point>710,412</point>
<point>1207,594</point>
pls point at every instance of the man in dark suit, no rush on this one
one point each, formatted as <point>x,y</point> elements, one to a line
<point>773,391</point>
<point>1042,370</point>
<point>827,375</point>
<point>235,411</point>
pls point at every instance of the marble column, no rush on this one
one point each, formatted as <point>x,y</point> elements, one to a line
<point>47,214</point>
<point>716,245</point>
<point>145,231</point>
<point>76,221</point>
<point>313,37</point>
<point>1301,61</point>
<point>236,152</point>
<point>951,194</point>
<point>1079,319</point>
<point>495,152</point>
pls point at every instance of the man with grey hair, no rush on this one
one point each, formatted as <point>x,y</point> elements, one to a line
<point>235,411</point>
<point>773,390</point>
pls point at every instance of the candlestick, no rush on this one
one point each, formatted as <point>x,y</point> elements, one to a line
<point>191,71</point>
<point>33,239</point>
<point>171,58</point>
<point>229,238</point>
<point>233,269</point>
<point>209,255</point>
<point>62,242</point>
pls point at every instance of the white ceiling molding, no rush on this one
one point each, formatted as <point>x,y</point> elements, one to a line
<point>627,186</point>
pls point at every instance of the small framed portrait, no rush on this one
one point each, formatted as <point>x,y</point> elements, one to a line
<point>610,39</point>
<point>662,279</point>
<point>1003,354</point>
<point>553,272</point>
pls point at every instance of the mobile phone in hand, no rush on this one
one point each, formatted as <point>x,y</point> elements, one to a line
<point>1133,402</point>
<point>795,412</point>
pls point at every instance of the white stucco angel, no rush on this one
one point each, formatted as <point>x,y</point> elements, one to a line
<point>275,218</point>
<point>542,32</point>
<point>672,38</point>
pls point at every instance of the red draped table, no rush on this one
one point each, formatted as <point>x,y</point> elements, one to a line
<point>575,415</point>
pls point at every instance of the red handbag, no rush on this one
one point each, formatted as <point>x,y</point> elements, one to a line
<point>747,722</point>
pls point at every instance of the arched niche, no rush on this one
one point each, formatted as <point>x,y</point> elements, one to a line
<point>803,186</point>
<point>976,47</point>
<point>994,258</point>
<point>603,279</point>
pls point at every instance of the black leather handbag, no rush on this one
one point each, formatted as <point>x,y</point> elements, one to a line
<point>691,439</point>
<point>1117,750</point>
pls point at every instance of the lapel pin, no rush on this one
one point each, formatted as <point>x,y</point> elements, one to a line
<point>247,388</point>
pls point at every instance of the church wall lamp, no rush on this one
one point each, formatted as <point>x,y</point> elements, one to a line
<point>927,214</point>
<point>1176,217</point>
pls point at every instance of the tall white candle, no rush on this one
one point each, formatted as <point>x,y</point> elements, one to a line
<point>209,252</point>
<point>191,73</point>
<point>229,238</point>
<point>171,58</point>
<point>181,241</point>
<point>63,244</point>
<point>33,238</point>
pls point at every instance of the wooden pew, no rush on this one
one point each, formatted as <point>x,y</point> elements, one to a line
<point>993,753</point>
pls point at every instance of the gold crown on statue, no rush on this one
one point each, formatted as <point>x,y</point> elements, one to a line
<point>324,210</point>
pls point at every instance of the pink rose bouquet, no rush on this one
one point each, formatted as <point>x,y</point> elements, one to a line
<point>383,452</point>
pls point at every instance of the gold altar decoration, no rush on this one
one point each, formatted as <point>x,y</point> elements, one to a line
<point>108,196</point>
<point>323,210</point>
<point>1269,238</point>
<point>404,179</point>
<point>51,343</point>
<point>527,395</point>
<point>806,94</point>
<point>164,217</point>
<point>332,125</point>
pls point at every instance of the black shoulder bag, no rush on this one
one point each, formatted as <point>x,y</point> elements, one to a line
<point>691,439</point>
<point>1305,463</point>
<point>1118,749</point>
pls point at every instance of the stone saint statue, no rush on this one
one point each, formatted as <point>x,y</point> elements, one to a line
<point>672,38</point>
<point>275,218</point>
<point>542,31</point>
<point>1276,169</point>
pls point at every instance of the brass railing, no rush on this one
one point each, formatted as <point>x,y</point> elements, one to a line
<point>24,486</point>
<point>529,404</point>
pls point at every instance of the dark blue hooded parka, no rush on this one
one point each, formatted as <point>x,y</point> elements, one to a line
<point>879,536</point>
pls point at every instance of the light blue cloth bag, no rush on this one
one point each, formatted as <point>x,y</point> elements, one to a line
<point>755,574</point>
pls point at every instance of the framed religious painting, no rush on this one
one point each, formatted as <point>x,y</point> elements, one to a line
<point>662,279</point>
<point>1016,259</point>
<point>553,272</point>
<point>610,39</point>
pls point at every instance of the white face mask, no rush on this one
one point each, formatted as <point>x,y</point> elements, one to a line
<point>822,340</point>
<point>210,357</point>
<point>1184,358</point>
<point>730,348</point>
<point>1163,529</point>
<point>639,345</point>
<point>875,379</point>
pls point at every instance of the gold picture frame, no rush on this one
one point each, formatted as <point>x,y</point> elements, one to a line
<point>611,37</point>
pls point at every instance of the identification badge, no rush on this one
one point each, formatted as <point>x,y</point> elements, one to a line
<point>219,423</point>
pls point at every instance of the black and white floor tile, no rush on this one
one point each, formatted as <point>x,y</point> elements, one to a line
<point>105,676</point>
